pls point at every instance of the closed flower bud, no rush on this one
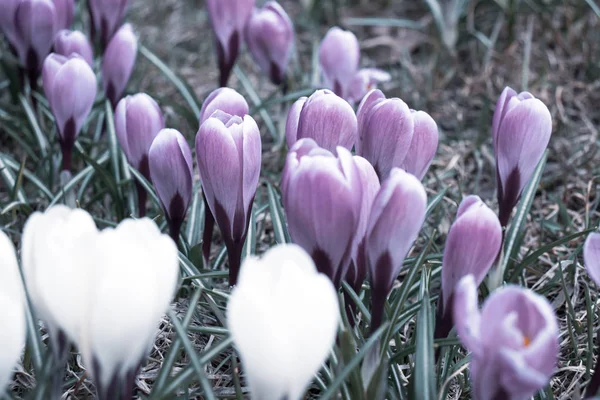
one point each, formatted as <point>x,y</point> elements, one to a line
<point>472,245</point>
<point>397,214</point>
<point>513,340</point>
<point>12,310</point>
<point>118,63</point>
<point>35,26</point>
<point>364,81</point>
<point>322,197</point>
<point>228,19</point>
<point>270,39</point>
<point>521,131</point>
<point>225,99</point>
<point>228,149</point>
<point>135,275</point>
<point>69,42</point>
<point>106,17</point>
<point>591,256</point>
<point>8,9</point>
<point>70,86</point>
<point>324,117</point>
<point>339,57</point>
<point>171,170</point>
<point>65,10</point>
<point>392,135</point>
<point>283,317</point>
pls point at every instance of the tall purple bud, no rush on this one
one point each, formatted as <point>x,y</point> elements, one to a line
<point>138,120</point>
<point>392,135</point>
<point>230,102</point>
<point>65,11</point>
<point>270,39</point>
<point>521,131</point>
<point>70,86</point>
<point>397,215</point>
<point>472,245</point>
<point>324,117</point>
<point>228,19</point>
<point>228,149</point>
<point>118,62</point>
<point>171,170</point>
<point>322,197</point>
<point>339,58</point>
<point>69,42</point>
<point>106,17</point>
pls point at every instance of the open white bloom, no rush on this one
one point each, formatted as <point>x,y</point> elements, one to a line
<point>12,316</point>
<point>283,316</point>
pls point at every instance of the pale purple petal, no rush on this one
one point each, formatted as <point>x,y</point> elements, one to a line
<point>364,108</point>
<point>293,118</point>
<point>423,145</point>
<point>591,256</point>
<point>35,29</point>
<point>68,42</point>
<point>65,9</point>
<point>339,56</point>
<point>118,62</point>
<point>467,317</point>
<point>225,99</point>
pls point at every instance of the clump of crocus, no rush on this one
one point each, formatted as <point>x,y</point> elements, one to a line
<point>138,120</point>
<point>70,87</point>
<point>171,170</point>
<point>513,340</point>
<point>322,197</point>
<point>397,214</point>
<point>591,259</point>
<point>12,310</point>
<point>392,135</point>
<point>228,19</point>
<point>118,62</point>
<point>228,148</point>
<point>69,42</point>
<point>472,246</point>
<point>521,131</point>
<point>106,17</point>
<point>230,102</point>
<point>324,117</point>
<point>283,317</point>
<point>339,57</point>
<point>270,39</point>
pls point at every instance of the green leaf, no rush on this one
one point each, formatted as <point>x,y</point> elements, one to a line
<point>11,182</point>
<point>195,219</point>
<point>424,377</point>
<point>146,185</point>
<point>41,138</point>
<point>276,212</point>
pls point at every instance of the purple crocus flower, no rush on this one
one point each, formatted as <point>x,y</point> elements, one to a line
<point>171,170</point>
<point>521,131</point>
<point>228,149</point>
<point>228,19</point>
<point>322,197</point>
<point>106,17</point>
<point>513,340</point>
<point>324,117</point>
<point>339,57</point>
<point>69,42</point>
<point>365,80</point>
<point>118,62</point>
<point>397,214</point>
<point>65,10</point>
<point>138,119</point>
<point>70,86</point>
<point>270,39</point>
<point>472,245</point>
<point>392,135</point>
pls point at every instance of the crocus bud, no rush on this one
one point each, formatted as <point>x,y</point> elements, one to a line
<point>35,26</point>
<point>228,18</point>
<point>225,99</point>
<point>472,245</point>
<point>322,197</point>
<point>513,340</point>
<point>521,131</point>
<point>324,117</point>
<point>339,56</point>
<point>8,9</point>
<point>397,214</point>
<point>118,63</point>
<point>280,302</point>
<point>138,120</point>
<point>65,10</point>
<point>12,310</point>
<point>171,170</point>
<point>228,149</point>
<point>270,39</point>
<point>392,135</point>
<point>68,42</point>
<point>365,80</point>
<point>136,252</point>
<point>106,17</point>
<point>70,86</point>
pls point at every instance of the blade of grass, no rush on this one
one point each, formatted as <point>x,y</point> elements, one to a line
<point>423,379</point>
<point>276,212</point>
<point>40,137</point>
<point>11,182</point>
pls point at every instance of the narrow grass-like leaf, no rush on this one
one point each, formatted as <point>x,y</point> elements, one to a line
<point>276,212</point>
<point>146,185</point>
<point>11,182</point>
<point>112,143</point>
<point>423,378</point>
<point>195,221</point>
<point>386,22</point>
<point>249,248</point>
<point>40,137</point>
<point>30,176</point>
<point>78,178</point>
